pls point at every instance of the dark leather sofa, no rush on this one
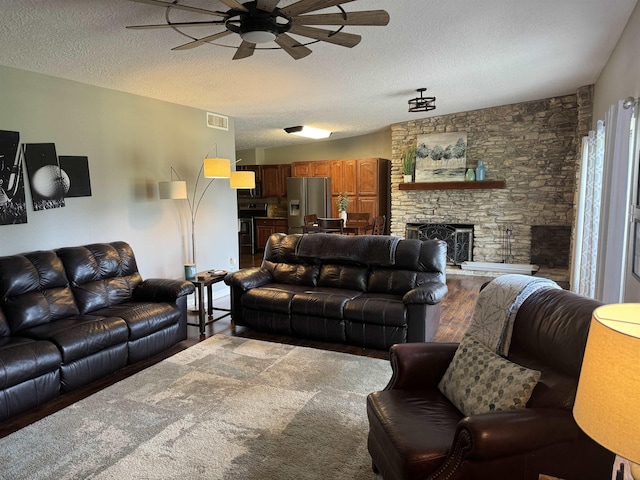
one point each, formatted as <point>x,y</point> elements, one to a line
<point>367,290</point>
<point>417,433</point>
<point>73,315</point>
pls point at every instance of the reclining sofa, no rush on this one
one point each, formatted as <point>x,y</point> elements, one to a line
<point>73,315</point>
<point>366,290</point>
<point>417,432</point>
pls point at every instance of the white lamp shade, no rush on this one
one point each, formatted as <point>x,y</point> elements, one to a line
<point>607,405</point>
<point>175,189</point>
<point>217,168</point>
<point>242,179</point>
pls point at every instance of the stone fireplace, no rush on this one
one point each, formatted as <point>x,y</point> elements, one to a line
<point>534,148</point>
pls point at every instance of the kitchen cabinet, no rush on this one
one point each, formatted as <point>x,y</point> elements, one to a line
<point>273,178</point>
<point>265,227</point>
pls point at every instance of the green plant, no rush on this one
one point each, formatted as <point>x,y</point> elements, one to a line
<point>409,161</point>
<point>343,201</point>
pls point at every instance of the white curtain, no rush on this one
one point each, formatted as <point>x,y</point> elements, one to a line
<point>616,204</point>
<point>585,252</point>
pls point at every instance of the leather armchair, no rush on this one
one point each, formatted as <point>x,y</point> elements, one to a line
<point>417,433</point>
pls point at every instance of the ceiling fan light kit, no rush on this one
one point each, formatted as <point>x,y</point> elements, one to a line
<point>422,104</point>
<point>308,132</point>
<point>260,22</point>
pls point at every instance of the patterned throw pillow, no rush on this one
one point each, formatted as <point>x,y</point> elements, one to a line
<point>480,381</point>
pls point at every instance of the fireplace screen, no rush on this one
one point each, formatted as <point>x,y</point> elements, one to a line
<point>459,238</point>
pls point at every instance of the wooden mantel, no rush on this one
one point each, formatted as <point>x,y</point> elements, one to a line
<point>462,185</point>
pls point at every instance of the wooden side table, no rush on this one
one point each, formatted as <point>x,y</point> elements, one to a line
<point>206,280</point>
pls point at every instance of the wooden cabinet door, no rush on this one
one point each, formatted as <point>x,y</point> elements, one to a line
<point>337,176</point>
<point>301,169</point>
<point>321,168</point>
<point>368,204</point>
<point>271,181</point>
<point>367,176</point>
<point>285,172</point>
<point>350,177</point>
<point>264,229</point>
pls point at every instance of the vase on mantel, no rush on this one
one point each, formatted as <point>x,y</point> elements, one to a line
<point>480,171</point>
<point>343,215</point>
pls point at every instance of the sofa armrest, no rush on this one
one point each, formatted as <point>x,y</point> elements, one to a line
<point>419,366</point>
<point>430,293</point>
<point>501,434</point>
<point>162,290</point>
<point>248,278</point>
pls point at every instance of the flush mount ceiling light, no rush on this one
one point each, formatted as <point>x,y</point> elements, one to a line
<point>260,22</point>
<point>422,104</point>
<point>309,132</point>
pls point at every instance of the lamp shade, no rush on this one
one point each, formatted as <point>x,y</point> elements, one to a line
<point>607,405</point>
<point>217,168</point>
<point>175,189</point>
<point>242,179</point>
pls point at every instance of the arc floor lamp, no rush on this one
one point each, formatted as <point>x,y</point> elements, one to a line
<point>211,168</point>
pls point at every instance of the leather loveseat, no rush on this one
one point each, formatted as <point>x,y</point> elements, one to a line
<point>416,432</point>
<point>73,315</point>
<point>366,290</point>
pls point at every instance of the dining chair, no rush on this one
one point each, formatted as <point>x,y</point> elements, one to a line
<point>331,225</point>
<point>377,225</point>
<point>310,223</point>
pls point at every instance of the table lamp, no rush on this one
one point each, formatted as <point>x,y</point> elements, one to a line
<point>607,405</point>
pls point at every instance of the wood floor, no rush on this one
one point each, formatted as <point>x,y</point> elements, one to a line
<point>457,310</point>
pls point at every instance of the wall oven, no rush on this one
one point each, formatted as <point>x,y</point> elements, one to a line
<point>247,212</point>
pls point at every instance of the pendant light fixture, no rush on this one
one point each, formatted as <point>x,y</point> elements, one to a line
<point>422,104</point>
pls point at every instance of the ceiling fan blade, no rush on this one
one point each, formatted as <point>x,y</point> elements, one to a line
<point>370,17</point>
<point>181,25</point>
<point>245,50</point>
<point>267,5</point>
<point>304,6</point>
<point>197,43</point>
<point>177,6</point>
<point>339,38</point>
<point>292,47</point>
<point>235,5</point>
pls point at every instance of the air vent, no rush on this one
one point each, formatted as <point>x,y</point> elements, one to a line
<point>217,121</point>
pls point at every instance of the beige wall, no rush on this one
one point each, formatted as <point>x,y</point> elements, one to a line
<point>374,145</point>
<point>131,142</point>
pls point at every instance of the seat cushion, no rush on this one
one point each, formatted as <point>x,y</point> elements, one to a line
<point>25,359</point>
<point>377,309</point>
<point>322,302</point>
<point>410,432</point>
<point>81,335</point>
<point>143,318</point>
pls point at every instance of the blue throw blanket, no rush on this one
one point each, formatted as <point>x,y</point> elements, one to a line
<point>368,249</point>
<point>497,306</point>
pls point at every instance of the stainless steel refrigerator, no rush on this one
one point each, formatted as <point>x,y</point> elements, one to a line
<point>306,196</point>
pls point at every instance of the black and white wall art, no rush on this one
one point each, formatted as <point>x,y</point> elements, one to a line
<point>13,208</point>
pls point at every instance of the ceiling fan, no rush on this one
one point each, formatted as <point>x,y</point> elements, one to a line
<point>261,21</point>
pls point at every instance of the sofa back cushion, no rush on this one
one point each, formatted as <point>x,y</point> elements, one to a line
<point>295,274</point>
<point>101,274</point>
<point>34,290</point>
<point>349,277</point>
<point>388,280</point>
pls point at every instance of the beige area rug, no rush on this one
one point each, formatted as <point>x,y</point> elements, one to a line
<point>226,408</point>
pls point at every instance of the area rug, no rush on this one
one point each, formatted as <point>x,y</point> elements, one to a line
<point>226,408</point>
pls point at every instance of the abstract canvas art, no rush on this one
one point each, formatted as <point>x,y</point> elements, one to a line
<point>13,208</point>
<point>441,157</point>
<point>48,182</point>
<point>77,170</point>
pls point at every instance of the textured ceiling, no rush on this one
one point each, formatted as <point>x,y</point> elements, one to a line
<point>470,54</point>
